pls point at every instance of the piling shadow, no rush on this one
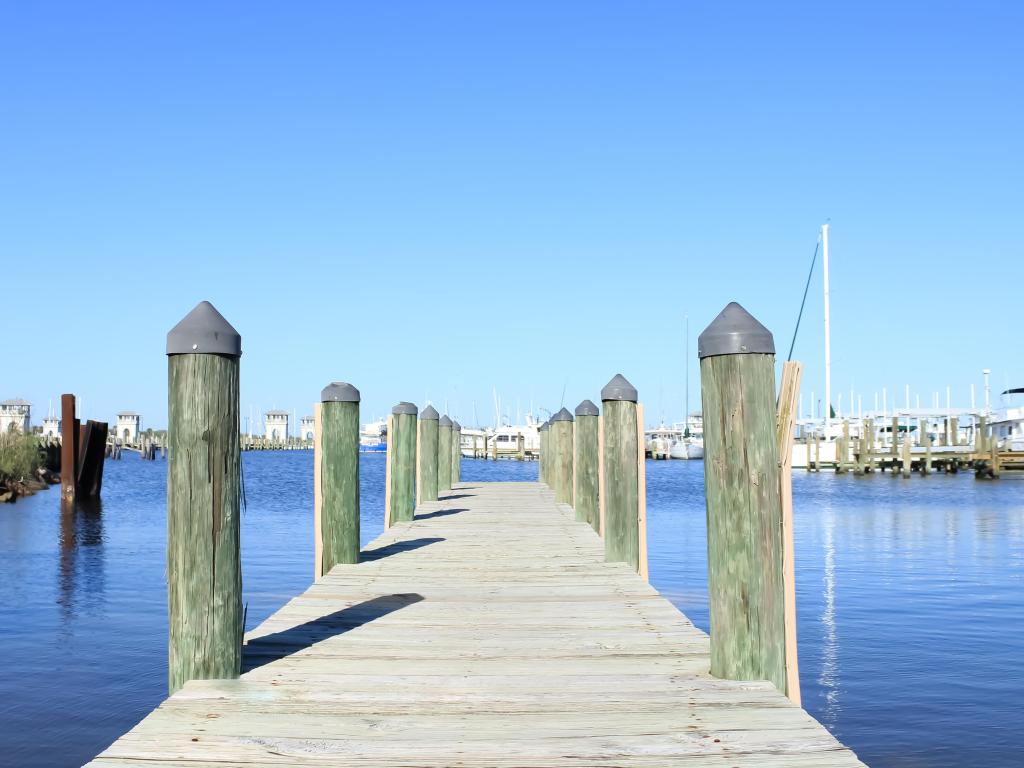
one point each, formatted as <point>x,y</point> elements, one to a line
<point>264,650</point>
<point>397,547</point>
<point>441,513</point>
<point>451,496</point>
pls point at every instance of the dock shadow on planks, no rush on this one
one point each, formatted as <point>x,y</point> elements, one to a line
<point>396,548</point>
<point>264,650</point>
<point>440,513</point>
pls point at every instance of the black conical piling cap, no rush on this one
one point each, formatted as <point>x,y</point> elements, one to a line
<point>204,331</point>
<point>619,389</point>
<point>586,408</point>
<point>735,332</point>
<point>444,422</point>
<point>544,426</point>
<point>429,414</point>
<point>404,409</point>
<point>562,415</point>
<point>456,426</point>
<point>339,392</point>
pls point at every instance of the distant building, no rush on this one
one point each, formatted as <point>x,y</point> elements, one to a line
<point>276,423</point>
<point>129,425</point>
<point>51,427</point>
<point>307,428</point>
<point>15,416</point>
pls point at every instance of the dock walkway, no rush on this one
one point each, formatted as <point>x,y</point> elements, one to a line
<point>487,632</point>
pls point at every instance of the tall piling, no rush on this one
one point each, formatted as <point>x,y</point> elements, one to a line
<point>444,455</point>
<point>204,574</point>
<point>561,437</point>
<point>336,454</point>
<point>428,454</point>
<point>585,461</point>
<point>621,473</point>
<point>744,508</point>
<point>402,444</point>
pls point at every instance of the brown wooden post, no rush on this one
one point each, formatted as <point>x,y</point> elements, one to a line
<point>68,448</point>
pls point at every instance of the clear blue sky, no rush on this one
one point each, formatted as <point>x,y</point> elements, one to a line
<point>440,198</point>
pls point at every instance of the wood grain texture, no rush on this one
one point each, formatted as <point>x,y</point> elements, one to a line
<point>561,454</point>
<point>339,483</point>
<point>456,456</point>
<point>388,461</point>
<point>204,574</point>
<point>444,459</point>
<point>428,460</point>
<point>789,395</point>
<point>491,636</point>
<point>641,487</point>
<point>621,488</point>
<point>586,496</point>
<point>744,518</point>
<point>403,467</point>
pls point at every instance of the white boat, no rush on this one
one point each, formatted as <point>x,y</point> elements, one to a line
<point>373,436</point>
<point>1008,422</point>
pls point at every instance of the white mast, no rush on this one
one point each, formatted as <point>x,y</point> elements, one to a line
<point>828,347</point>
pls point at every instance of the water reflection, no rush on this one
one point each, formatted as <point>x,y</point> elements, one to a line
<point>829,677</point>
<point>81,572</point>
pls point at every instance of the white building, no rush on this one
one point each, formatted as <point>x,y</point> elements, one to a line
<point>307,428</point>
<point>51,427</point>
<point>15,415</point>
<point>276,423</point>
<point>129,425</point>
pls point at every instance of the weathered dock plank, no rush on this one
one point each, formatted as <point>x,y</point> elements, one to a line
<point>488,631</point>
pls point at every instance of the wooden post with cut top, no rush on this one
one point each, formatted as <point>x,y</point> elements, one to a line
<point>744,508</point>
<point>204,571</point>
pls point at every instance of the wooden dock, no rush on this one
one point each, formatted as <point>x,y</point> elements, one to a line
<point>489,631</point>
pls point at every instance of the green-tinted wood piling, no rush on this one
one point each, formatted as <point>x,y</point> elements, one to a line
<point>744,509</point>
<point>403,462</point>
<point>561,437</point>
<point>585,491</point>
<point>544,453</point>
<point>621,473</point>
<point>444,455</point>
<point>428,454</point>
<point>204,574</point>
<point>456,453</point>
<point>339,475</point>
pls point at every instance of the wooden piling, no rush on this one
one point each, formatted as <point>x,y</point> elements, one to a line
<point>428,427</point>
<point>68,449</point>
<point>338,461</point>
<point>744,509</point>
<point>456,453</point>
<point>954,430</point>
<point>444,455</point>
<point>402,445</point>
<point>561,437</point>
<point>585,491</point>
<point>204,575</point>
<point>789,392</point>
<point>621,481</point>
<point>545,452</point>
<point>906,461</point>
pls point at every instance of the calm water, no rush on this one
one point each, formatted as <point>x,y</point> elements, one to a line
<point>910,597</point>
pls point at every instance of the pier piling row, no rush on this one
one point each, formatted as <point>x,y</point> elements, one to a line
<point>500,624</point>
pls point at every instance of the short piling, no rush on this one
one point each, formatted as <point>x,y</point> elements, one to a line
<point>444,455</point>
<point>204,574</point>
<point>428,454</point>
<point>585,461</point>
<point>561,438</point>
<point>621,481</point>
<point>402,444</point>
<point>744,508</point>
<point>456,453</point>
<point>338,460</point>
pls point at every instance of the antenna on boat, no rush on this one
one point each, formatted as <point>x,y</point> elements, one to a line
<point>686,412</point>
<point>828,341</point>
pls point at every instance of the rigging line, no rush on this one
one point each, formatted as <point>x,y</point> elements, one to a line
<point>803,301</point>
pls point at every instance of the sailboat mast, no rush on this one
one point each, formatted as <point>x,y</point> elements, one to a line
<point>828,345</point>
<point>686,412</point>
